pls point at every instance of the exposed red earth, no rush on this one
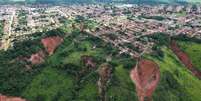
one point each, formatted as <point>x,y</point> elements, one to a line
<point>6,98</point>
<point>146,76</point>
<point>88,61</point>
<point>184,58</point>
<point>51,43</point>
<point>37,58</point>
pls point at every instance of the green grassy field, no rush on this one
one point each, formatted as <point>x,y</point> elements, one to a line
<point>193,50</point>
<point>176,83</point>
<point>121,87</point>
<point>50,85</point>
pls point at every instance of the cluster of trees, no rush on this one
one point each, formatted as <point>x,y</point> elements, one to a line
<point>22,17</point>
<point>83,23</point>
<point>159,18</point>
<point>186,38</point>
<point>169,83</point>
<point>1,28</point>
<point>14,73</point>
<point>161,39</point>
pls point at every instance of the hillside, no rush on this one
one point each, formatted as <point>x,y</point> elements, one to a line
<point>192,49</point>
<point>72,72</point>
<point>177,83</point>
<point>65,72</point>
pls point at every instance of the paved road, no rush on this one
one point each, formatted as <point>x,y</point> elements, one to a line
<point>6,42</point>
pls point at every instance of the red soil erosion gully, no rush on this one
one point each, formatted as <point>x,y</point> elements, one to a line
<point>50,44</point>
<point>6,98</point>
<point>184,58</point>
<point>146,76</point>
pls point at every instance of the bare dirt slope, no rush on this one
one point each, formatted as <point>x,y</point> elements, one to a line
<point>51,43</point>
<point>146,76</point>
<point>37,58</point>
<point>6,98</point>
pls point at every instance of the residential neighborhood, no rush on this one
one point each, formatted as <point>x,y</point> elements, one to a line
<point>122,25</point>
<point>100,50</point>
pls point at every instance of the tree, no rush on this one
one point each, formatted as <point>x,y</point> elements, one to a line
<point>80,20</point>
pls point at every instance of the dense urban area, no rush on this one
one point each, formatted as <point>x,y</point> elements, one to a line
<point>100,52</point>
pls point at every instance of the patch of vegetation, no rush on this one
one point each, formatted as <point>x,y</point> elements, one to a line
<point>193,50</point>
<point>131,46</point>
<point>1,28</point>
<point>74,47</point>
<point>64,76</point>
<point>121,86</point>
<point>160,38</point>
<point>186,38</point>
<point>51,85</point>
<point>14,74</point>
<point>159,18</point>
<point>22,16</point>
<point>176,82</point>
<point>180,14</point>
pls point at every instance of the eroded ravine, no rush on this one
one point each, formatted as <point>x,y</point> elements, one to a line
<point>50,44</point>
<point>184,58</point>
<point>146,76</point>
<point>104,72</point>
<point>7,98</point>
